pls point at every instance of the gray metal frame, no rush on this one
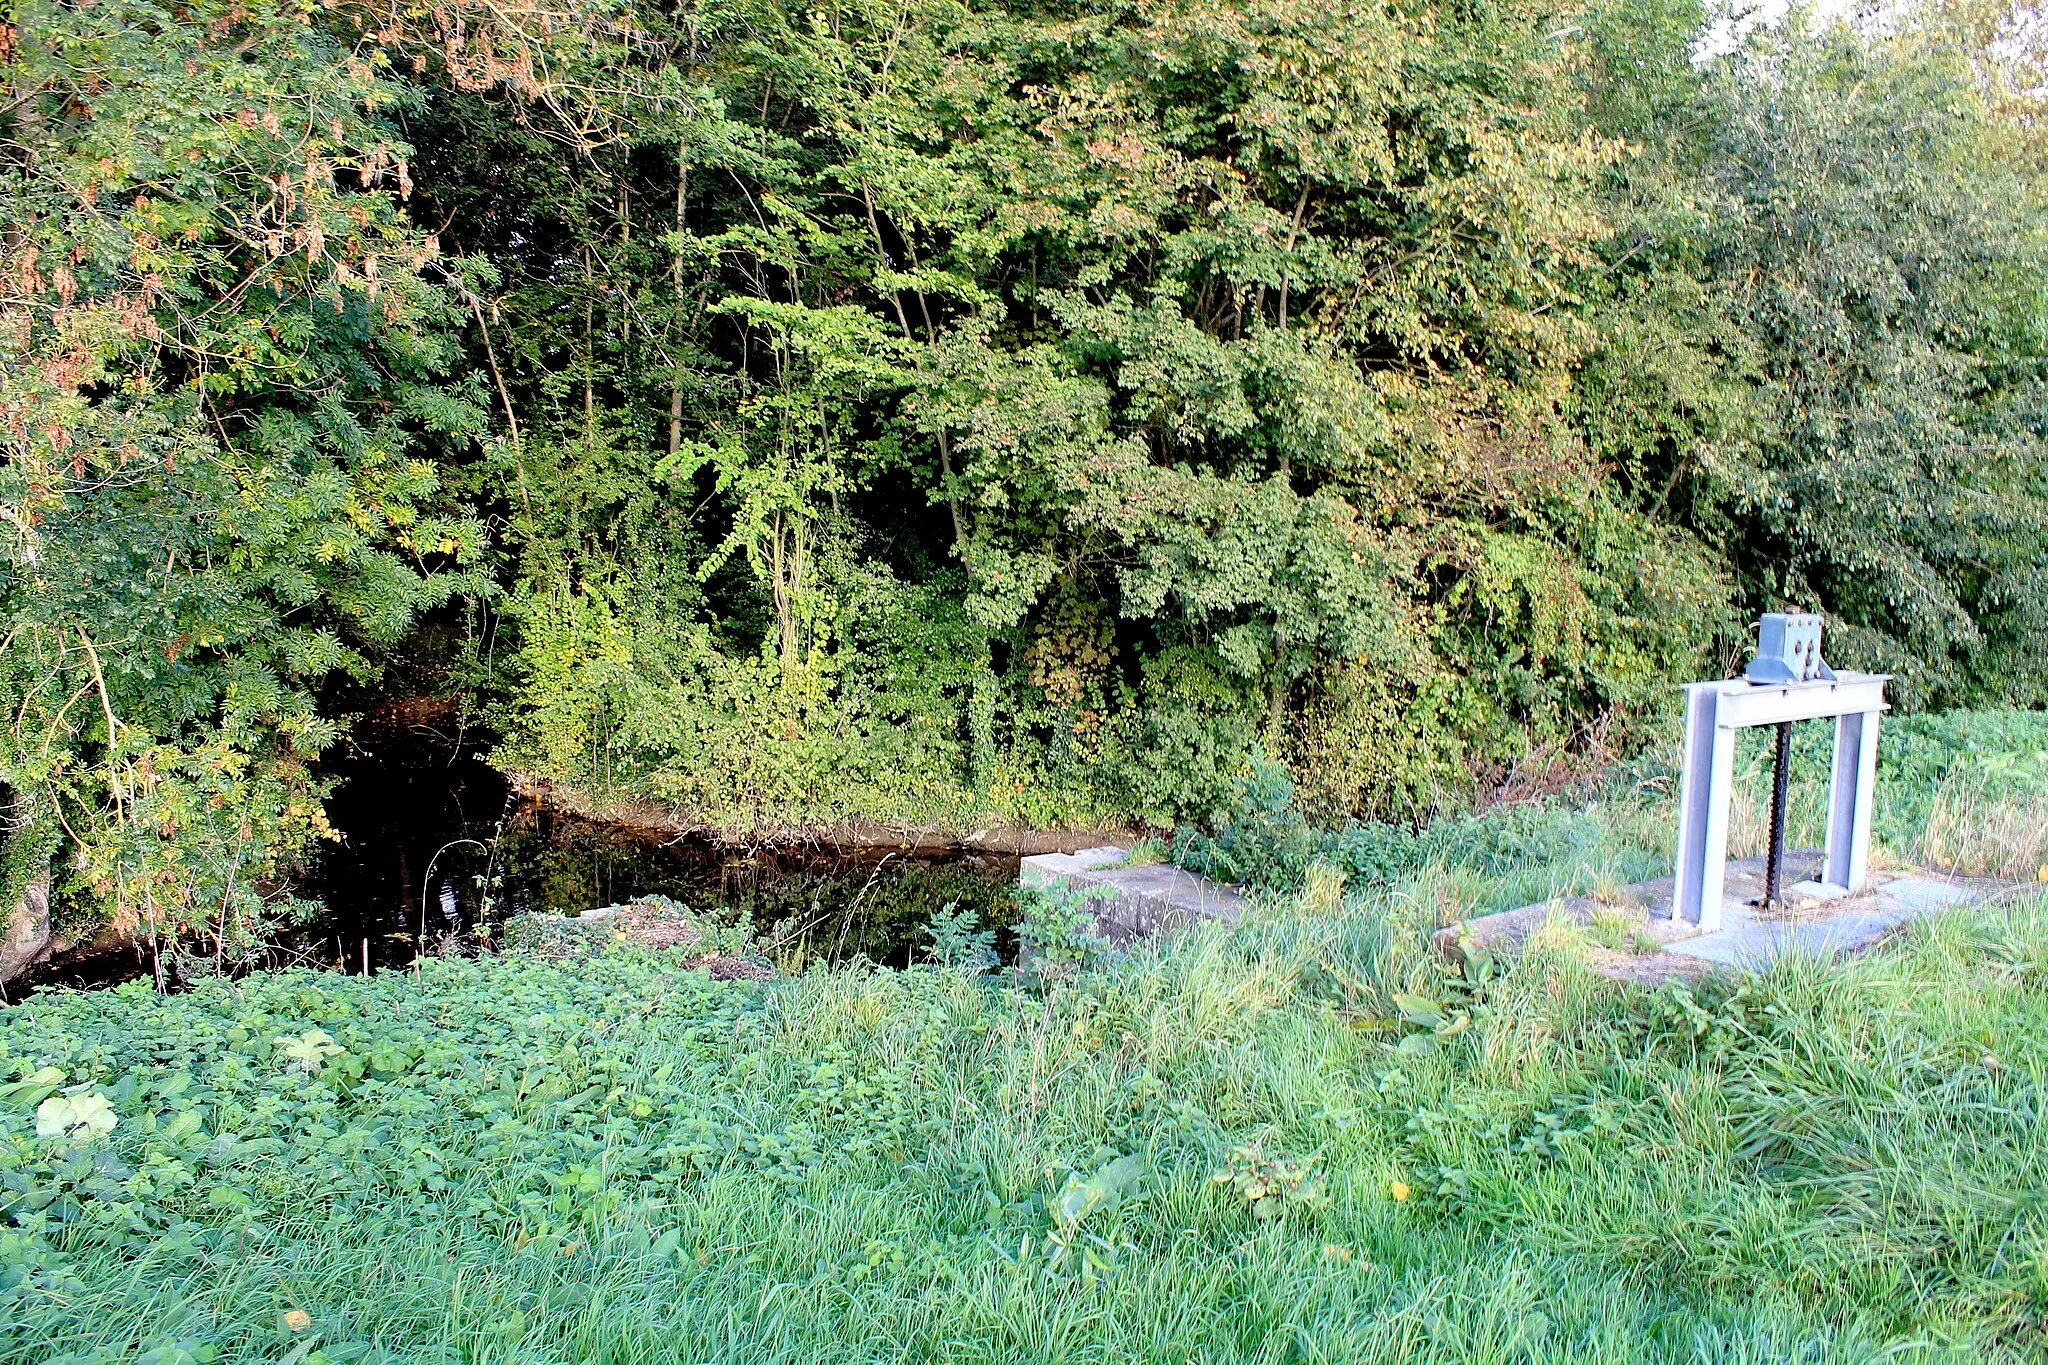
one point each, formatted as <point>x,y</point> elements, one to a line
<point>1714,711</point>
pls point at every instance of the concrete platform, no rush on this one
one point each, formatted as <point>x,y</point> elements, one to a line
<point>1748,939</point>
<point>1821,924</point>
<point>1140,901</point>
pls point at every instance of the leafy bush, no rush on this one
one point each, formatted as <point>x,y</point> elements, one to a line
<point>1056,936</point>
<point>1266,841</point>
<point>222,481</point>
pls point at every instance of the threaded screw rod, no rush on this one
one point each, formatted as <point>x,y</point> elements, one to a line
<point>1781,781</point>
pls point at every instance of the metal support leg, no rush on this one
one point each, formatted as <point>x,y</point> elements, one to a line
<point>1850,790</point>
<point>1709,770</point>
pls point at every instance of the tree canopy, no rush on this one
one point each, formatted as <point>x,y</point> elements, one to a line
<point>981,410</point>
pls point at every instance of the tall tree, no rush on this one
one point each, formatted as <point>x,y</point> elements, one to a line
<point>226,385</point>
<point>1825,335</point>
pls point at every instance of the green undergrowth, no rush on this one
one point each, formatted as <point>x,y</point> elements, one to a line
<point>1962,791</point>
<point>1518,852</point>
<point>1294,1139</point>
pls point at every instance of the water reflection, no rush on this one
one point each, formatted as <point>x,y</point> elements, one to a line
<point>434,847</point>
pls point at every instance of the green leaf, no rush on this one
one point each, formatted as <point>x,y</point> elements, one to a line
<point>1420,1009</point>
<point>75,1117</point>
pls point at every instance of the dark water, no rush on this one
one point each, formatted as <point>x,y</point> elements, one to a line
<point>433,852</point>
<point>435,844</point>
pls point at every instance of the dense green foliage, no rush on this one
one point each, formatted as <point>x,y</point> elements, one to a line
<point>228,399</point>
<point>980,412</point>
<point>1295,1138</point>
<point>1824,343</point>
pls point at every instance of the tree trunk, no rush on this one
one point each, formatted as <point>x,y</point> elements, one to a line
<point>1276,693</point>
<point>589,356</point>
<point>675,393</point>
<point>24,886</point>
<point>778,588</point>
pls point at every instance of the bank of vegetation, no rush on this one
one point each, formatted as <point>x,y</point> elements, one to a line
<point>974,412</point>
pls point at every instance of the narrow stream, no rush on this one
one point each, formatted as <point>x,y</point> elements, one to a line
<point>431,852</point>
<point>434,844</point>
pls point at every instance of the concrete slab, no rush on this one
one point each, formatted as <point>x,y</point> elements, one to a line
<point>1141,901</point>
<point>1924,895</point>
<point>1821,925</point>
<point>1747,940</point>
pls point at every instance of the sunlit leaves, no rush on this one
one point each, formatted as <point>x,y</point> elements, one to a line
<point>226,396</point>
<point>80,1117</point>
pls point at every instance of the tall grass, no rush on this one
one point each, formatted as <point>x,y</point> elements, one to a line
<point>1962,791</point>
<point>618,1159</point>
<point>1991,836</point>
<point>1823,1164</point>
